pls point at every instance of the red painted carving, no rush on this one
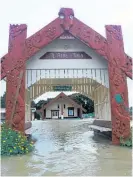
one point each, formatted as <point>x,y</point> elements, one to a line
<point>16,34</point>
<point>90,37</point>
<point>21,49</point>
<point>97,42</point>
<point>42,38</point>
<point>31,45</point>
<point>128,66</point>
<point>66,18</point>
<point>53,30</point>
<point>16,45</point>
<point>118,84</point>
<point>18,121</point>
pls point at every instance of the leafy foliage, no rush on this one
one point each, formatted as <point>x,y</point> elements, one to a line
<point>3,100</point>
<point>40,103</point>
<point>37,116</point>
<point>126,142</point>
<point>13,142</point>
<point>86,102</point>
<point>33,104</point>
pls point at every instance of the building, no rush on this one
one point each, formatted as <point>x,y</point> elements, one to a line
<point>62,106</point>
<point>68,52</point>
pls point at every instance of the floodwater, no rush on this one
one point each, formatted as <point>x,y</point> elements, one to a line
<point>69,148</point>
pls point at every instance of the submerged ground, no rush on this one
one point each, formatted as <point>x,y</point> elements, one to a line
<point>68,147</point>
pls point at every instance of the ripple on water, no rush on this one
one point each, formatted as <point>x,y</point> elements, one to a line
<point>68,148</point>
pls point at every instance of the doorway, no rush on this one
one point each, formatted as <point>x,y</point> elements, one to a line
<point>78,113</point>
<point>44,114</point>
<point>54,114</point>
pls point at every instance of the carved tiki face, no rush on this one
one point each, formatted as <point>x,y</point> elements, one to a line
<point>66,16</point>
<point>17,29</point>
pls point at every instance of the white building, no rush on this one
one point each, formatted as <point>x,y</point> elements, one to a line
<point>62,106</point>
<point>69,62</point>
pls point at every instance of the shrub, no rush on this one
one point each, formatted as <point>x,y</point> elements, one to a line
<point>128,141</point>
<point>13,142</point>
<point>37,116</point>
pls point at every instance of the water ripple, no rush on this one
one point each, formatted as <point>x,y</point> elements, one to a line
<point>69,148</point>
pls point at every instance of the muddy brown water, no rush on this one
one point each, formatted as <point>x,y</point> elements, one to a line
<point>69,148</point>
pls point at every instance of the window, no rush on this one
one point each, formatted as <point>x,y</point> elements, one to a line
<point>64,106</point>
<point>58,106</point>
<point>70,111</point>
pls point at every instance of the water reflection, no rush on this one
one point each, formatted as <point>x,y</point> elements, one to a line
<point>66,147</point>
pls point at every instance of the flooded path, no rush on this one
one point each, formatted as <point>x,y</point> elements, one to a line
<point>68,147</point>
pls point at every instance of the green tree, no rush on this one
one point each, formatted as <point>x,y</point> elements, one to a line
<point>3,100</point>
<point>37,116</point>
<point>86,102</point>
<point>40,104</point>
<point>33,104</point>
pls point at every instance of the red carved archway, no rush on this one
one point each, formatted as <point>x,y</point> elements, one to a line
<point>111,48</point>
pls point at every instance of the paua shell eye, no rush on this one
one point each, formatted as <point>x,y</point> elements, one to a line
<point>71,16</point>
<point>61,16</point>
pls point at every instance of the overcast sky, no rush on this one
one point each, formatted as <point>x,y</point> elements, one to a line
<point>95,13</point>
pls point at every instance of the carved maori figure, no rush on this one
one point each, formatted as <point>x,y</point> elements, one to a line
<point>42,38</point>
<point>90,37</point>
<point>18,119</point>
<point>16,30</point>
<point>16,33</point>
<point>120,116</point>
<point>66,18</point>
<point>21,49</point>
<point>52,31</point>
<point>14,64</point>
<point>118,84</point>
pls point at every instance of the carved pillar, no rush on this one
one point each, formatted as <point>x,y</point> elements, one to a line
<point>15,85</point>
<point>118,84</point>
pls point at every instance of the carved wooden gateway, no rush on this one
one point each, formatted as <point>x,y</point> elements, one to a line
<point>13,65</point>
